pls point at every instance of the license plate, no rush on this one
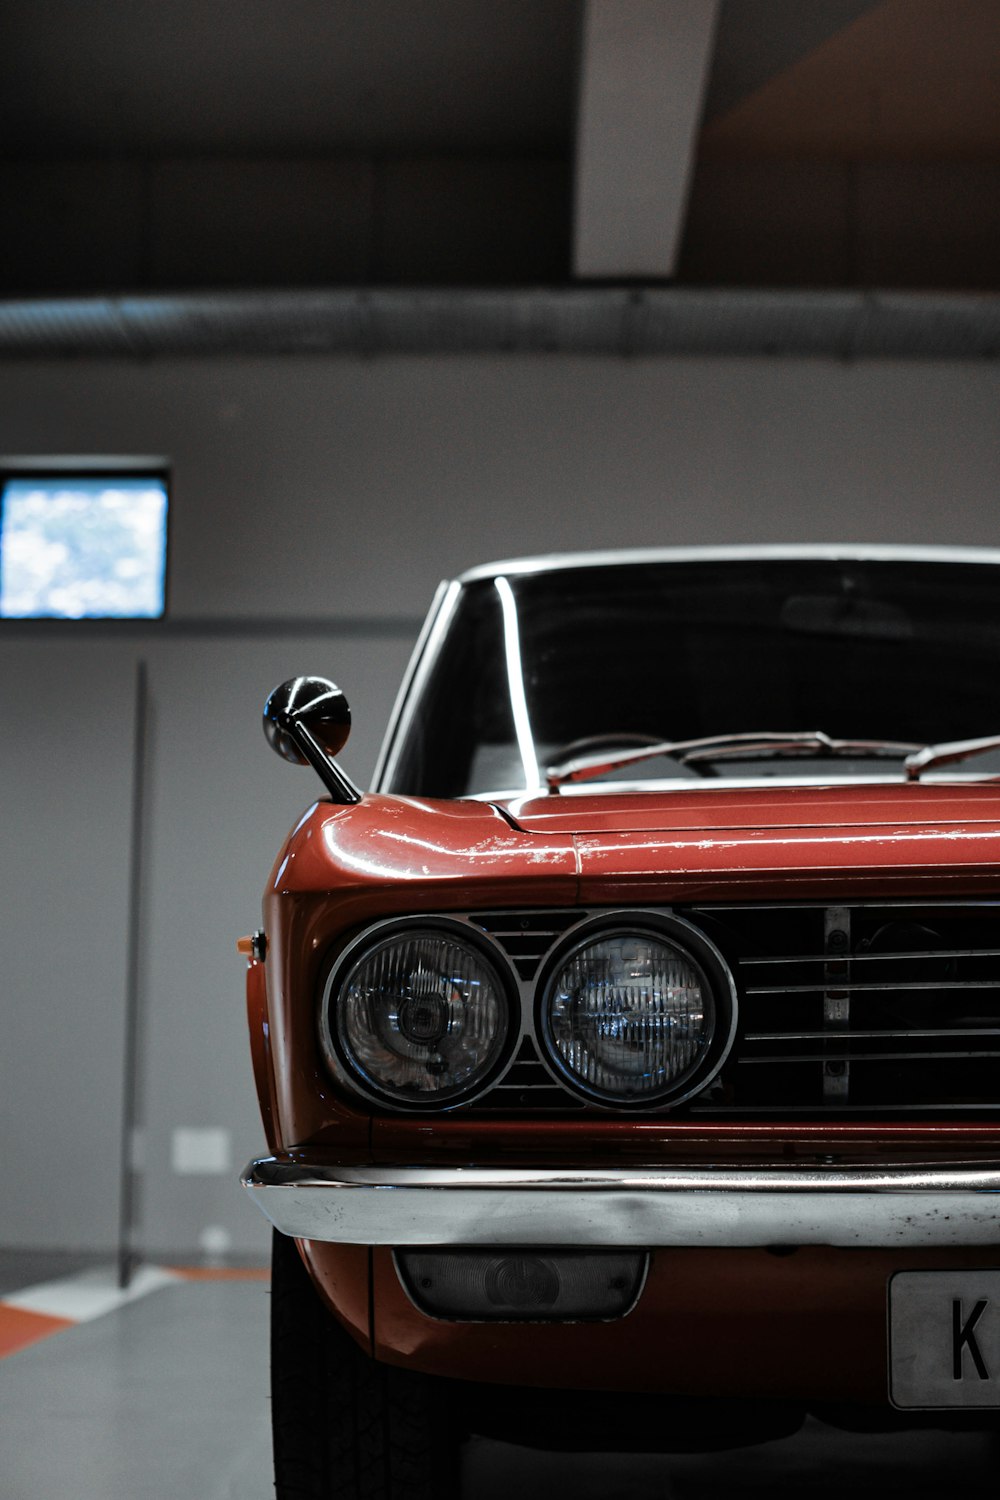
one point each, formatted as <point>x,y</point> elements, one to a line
<point>944,1339</point>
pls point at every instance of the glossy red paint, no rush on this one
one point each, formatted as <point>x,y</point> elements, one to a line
<point>769,843</point>
<point>801,1323</point>
<point>342,1276</point>
<point>723,1322</point>
<point>805,1325</point>
<point>346,866</point>
<point>395,844</point>
<point>260,1050</point>
<point>824,809</point>
<point>343,867</point>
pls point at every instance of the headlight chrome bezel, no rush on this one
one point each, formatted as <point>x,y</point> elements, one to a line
<point>349,1071</point>
<point>697,950</point>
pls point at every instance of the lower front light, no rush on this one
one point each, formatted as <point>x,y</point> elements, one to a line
<point>483,1286</point>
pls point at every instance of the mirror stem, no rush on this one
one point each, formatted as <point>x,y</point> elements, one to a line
<point>338,784</point>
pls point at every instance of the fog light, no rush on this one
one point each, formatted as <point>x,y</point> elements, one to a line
<point>525,1281</point>
<point>481,1286</point>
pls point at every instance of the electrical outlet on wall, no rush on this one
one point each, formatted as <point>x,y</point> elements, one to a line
<point>201,1152</point>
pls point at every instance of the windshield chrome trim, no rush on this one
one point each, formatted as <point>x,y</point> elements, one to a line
<point>422,659</point>
<point>509,795</point>
<point>792,552</point>
<point>515,684</point>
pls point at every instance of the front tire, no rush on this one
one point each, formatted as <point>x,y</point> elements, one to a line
<point>347,1427</point>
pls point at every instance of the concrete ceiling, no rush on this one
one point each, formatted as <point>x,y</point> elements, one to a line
<point>216,145</point>
<point>275,76</point>
<point>907,79</point>
<point>756,39</point>
<point>269,76</point>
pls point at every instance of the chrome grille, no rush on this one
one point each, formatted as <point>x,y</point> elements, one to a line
<point>869,1007</point>
<point>865,1008</point>
<point>528,1088</point>
<point>526,937</point>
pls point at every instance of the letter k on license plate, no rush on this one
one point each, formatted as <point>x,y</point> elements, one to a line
<point>944,1339</point>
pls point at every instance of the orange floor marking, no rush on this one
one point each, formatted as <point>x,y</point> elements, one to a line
<point>18,1328</point>
<point>222,1273</point>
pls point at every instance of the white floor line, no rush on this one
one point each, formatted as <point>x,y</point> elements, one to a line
<point>90,1294</point>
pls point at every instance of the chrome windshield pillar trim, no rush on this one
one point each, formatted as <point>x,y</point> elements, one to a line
<point>954,1204</point>
<point>418,669</point>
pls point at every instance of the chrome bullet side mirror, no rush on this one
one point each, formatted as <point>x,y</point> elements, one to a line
<point>307,721</point>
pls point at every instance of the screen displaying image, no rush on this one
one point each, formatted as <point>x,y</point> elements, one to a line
<point>82,548</point>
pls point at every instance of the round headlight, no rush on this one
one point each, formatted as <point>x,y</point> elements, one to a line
<point>421,1018</point>
<point>629,1017</point>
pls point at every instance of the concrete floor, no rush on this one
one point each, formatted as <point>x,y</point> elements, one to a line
<point>20,1268</point>
<point>166,1398</point>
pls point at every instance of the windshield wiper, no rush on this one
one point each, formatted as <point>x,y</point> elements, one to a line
<point>947,754</point>
<point>753,746</point>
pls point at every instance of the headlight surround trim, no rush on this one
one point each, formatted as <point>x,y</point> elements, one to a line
<point>696,948</point>
<point>349,1071</point>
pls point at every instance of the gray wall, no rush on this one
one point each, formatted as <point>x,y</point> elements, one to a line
<point>337,493</point>
<point>64,831</point>
<point>345,487</point>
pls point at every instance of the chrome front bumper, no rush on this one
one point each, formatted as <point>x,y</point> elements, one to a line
<point>642,1206</point>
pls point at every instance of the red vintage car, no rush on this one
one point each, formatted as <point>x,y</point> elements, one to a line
<point>629,1056</point>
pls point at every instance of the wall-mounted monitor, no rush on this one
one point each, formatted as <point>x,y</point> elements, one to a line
<point>83,546</point>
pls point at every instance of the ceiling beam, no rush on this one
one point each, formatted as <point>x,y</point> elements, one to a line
<point>643,75</point>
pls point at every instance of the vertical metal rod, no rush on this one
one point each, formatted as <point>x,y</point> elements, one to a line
<point>836,999</point>
<point>129,1166</point>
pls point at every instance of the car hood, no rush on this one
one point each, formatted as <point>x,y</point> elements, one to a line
<point>832,809</point>
<point>389,852</point>
<point>800,841</point>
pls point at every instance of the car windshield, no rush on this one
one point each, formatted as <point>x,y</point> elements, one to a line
<point>861,650</point>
